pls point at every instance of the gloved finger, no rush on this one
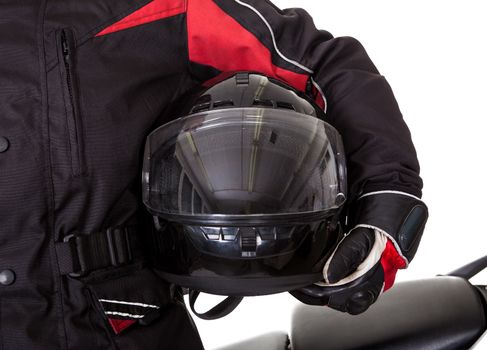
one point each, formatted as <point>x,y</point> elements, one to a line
<point>358,298</point>
<point>354,297</point>
<point>350,253</point>
<point>334,296</point>
<point>360,302</point>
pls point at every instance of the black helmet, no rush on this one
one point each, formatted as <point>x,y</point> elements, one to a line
<point>245,189</point>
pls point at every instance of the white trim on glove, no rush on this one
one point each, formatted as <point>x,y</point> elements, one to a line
<point>369,262</point>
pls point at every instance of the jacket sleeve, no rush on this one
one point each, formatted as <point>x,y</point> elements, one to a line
<point>230,35</point>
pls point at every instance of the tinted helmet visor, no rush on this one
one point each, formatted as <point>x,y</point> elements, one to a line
<point>244,165</point>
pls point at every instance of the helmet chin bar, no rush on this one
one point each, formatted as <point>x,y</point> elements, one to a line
<point>245,260</point>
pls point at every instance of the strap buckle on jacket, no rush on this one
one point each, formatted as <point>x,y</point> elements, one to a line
<point>79,255</point>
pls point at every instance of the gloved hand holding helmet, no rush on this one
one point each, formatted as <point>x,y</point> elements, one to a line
<point>386,228</point>
<point>247,191</point>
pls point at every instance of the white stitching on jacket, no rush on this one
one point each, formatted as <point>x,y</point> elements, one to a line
<point>128,303</point>
<point>123,314</point>
<point>321,93</point>
<point>391,192</point>
<point>297,64</point>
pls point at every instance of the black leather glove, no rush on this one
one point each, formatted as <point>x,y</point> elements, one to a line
<point>387,228</point>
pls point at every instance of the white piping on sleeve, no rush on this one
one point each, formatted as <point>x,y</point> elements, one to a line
<point>321,93</point>
<point>128,303</point>
<point>123,314</point>
<point>297,64</point>
<point>274,42</point>
<point>391,192</point>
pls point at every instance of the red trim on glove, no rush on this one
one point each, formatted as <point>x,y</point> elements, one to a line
<point>153,11</point>
<point>391,261</point>
<point>218,40</point>
<point>119,326</point>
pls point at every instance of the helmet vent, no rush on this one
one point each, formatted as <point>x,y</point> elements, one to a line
<point>277,104</point>
<point>200,107</point>
<point>264,103</point>
<point>224,103</point>
<point>285,105</point>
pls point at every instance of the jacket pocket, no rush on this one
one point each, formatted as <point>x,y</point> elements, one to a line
<point>69,80</point>
<point>141,311</point>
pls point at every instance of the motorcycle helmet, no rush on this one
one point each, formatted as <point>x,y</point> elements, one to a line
<point>245,189</point>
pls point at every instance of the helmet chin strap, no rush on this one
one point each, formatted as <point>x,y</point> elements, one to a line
<point>220,310</point>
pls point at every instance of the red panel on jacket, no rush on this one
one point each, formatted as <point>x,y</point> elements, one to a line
<point>216,39</point>
<point>153,11</point>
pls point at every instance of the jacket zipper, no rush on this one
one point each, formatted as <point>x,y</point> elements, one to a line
<point>73,117</point>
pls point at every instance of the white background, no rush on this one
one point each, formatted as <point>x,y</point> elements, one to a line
<point>434,55</point>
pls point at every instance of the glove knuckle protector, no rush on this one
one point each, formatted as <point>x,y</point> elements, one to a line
<point>401,217</point>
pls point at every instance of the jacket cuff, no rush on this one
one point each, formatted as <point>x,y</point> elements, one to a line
<point>399,215</point>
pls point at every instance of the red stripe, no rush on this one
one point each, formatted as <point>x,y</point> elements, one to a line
<point>318,97</point>
<point>119,326</point>
<point>153,11</point>
<point>216,39</point>
<point>319,101</point>
<point>391,261</point>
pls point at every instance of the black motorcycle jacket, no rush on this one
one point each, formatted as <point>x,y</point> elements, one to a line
<point>82,83</point>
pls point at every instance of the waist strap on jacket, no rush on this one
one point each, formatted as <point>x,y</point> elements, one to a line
<point>79,255</point>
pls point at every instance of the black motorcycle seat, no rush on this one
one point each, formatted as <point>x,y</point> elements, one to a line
<point>437,313</point>
<point>270,341</point>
